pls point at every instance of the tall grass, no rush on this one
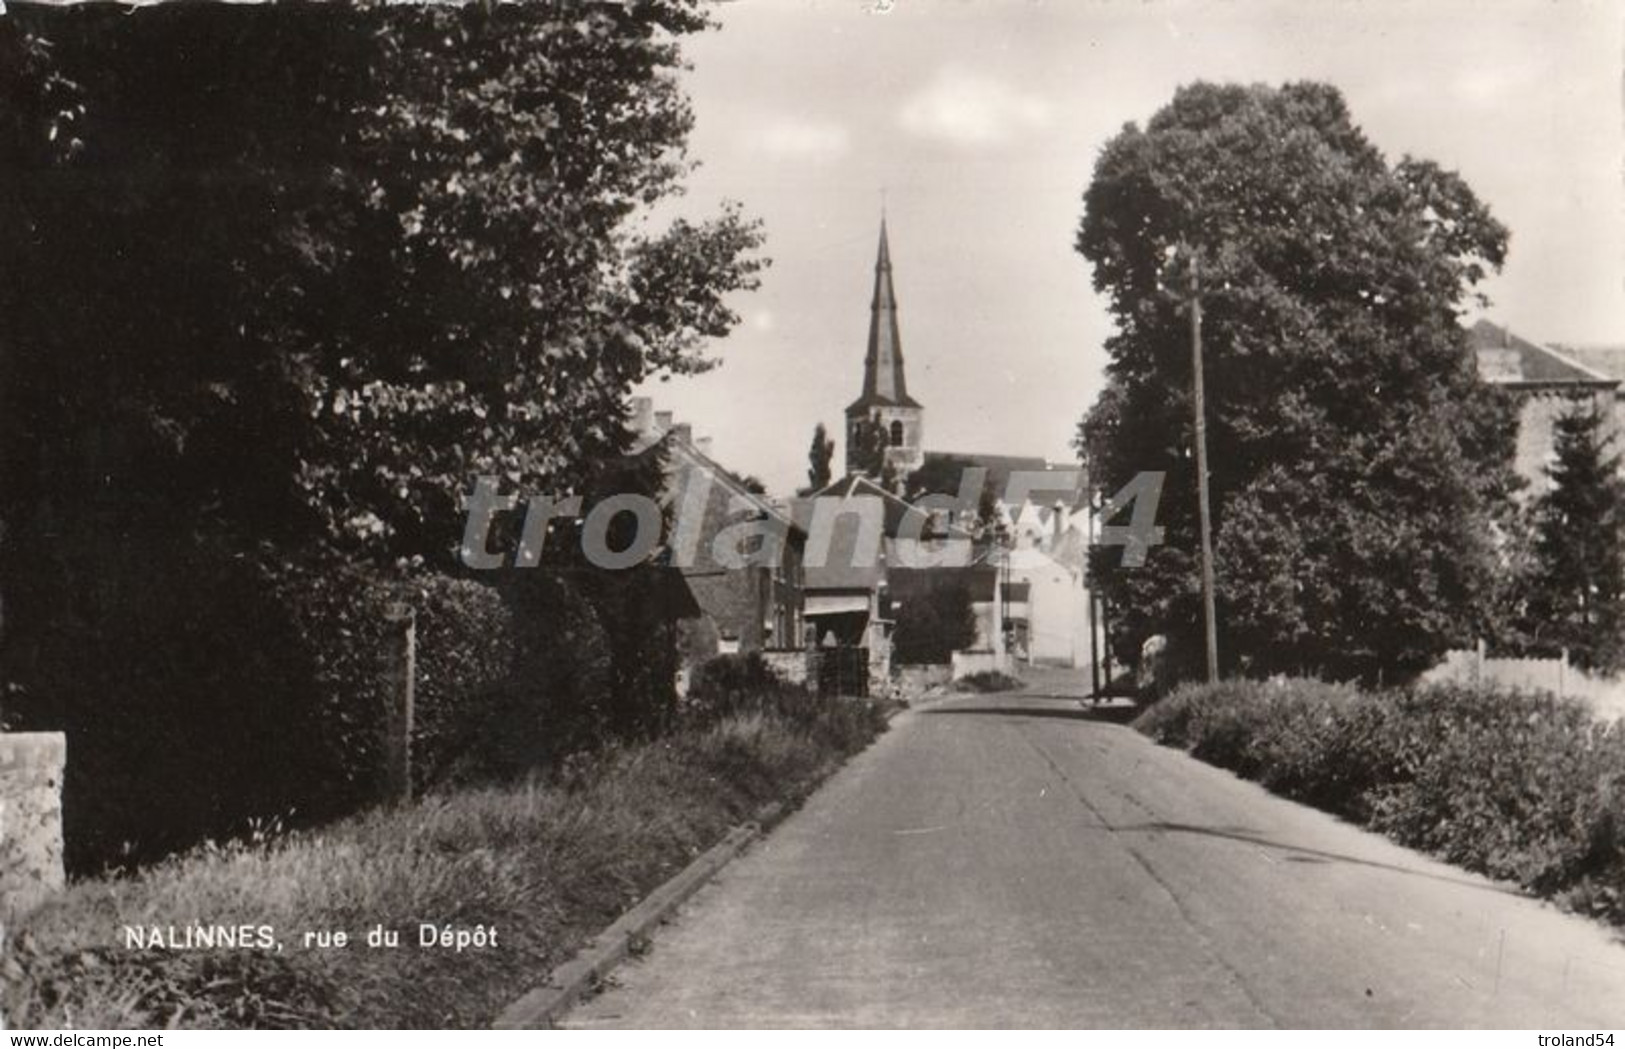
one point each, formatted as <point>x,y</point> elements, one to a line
<point>1518,785</point>
<point>546,863</point>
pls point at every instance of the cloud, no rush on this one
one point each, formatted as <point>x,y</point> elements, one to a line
<point>968,109</point>
<point>797,139</point>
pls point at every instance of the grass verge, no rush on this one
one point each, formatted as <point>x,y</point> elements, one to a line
<point>547,864</point>
<point>1520,786</point>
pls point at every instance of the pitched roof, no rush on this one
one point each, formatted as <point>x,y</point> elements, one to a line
<point>1606,360</point>
<point>895,509</point>
<point>1000,467</point>
<point>683,451</point>
<point>1508,359</point>
<point>883,380</point>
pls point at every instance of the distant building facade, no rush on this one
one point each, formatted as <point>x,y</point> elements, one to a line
<point>1548,382</point>
<point>741,608</point>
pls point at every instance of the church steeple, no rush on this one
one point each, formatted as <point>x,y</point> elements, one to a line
<point>885,402</point>
<point>884,382</point>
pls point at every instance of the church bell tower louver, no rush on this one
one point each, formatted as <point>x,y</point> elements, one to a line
<point>885,402</point>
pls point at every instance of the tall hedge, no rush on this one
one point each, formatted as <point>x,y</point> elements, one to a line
<point>1518,785</point>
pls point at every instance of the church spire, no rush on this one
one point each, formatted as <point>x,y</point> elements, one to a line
<point>883,380</point>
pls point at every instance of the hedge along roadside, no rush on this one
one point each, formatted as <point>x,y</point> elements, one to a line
<point>1516,785</point>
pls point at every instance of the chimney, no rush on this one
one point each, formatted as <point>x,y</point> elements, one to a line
<point>682,431</point>
<point>643,414</point>
<point>663,421</point>
<point>703,444</point>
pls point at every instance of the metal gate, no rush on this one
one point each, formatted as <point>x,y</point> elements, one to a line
<point>843,670</point>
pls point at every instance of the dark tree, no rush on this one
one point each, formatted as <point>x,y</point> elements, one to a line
<point>316,277</point>
<point>869,444</point>
<point>819,458</point>
<point>1577,590</point>
<point>943,475</point>
<point>1356,458</point>
<point>280,281</point>
<point>933,625</point>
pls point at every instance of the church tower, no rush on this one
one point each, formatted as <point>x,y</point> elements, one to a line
<point>885,403</point>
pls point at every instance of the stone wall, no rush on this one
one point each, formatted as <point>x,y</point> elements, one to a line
<point>31,766</point>
<point>968,663</point>
<point>918,679</point>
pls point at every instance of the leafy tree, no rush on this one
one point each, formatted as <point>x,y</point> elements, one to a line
<point>819,458</point>
<point>1577,591</point>
<point>350,258</point>
<point>281,281</point>
<point>939,475</point>
<point>933,625</point>
<point>1356,459</point>
<point>942,475</point>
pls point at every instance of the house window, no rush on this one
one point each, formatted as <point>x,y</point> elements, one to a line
<point>896,432</point>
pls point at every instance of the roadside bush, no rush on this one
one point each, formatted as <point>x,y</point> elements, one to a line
<point>731,686</point>
<point>207,688</point>
<point>1520,786</point>
<point>467,646</point>
<point>183,682</point>
<point>987,681</point>
<point>933,624</point>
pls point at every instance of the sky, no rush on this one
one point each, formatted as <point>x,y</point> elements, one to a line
<point>978,123</point>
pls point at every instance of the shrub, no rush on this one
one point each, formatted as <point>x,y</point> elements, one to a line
<point>987,681</point>
<point>744,685</point>
<point>1521,786</point>
<point>932,625</point>
<point>231,687</point>
<point>467,642</point>
<point>185,685</point>
<point>730,684</point>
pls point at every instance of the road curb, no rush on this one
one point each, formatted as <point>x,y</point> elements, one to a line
<point>542,1006</point>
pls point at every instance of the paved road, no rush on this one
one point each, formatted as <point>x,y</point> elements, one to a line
<point>1014,861</point>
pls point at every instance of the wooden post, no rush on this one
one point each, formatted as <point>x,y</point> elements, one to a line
<point>401,672</point>
<point>1105,643</point>
<point>1562,673</point>
<point>1199,411</point>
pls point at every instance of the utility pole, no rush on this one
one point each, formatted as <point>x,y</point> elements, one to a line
<point>1200,409</point>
